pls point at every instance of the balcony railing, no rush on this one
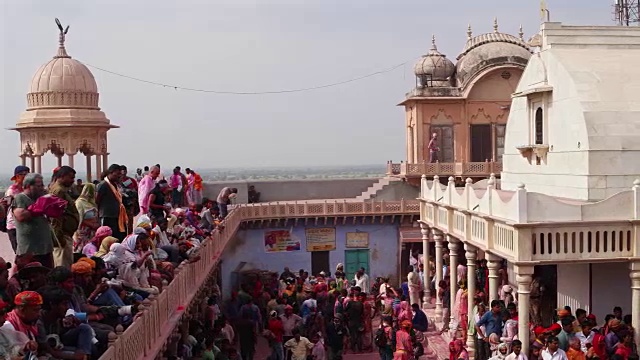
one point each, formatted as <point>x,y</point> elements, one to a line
<point>523,226</point>
<point>463,169</point>
<point>148,335</point>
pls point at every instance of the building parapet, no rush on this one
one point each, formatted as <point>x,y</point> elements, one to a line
<point>459,169</point>
<point>149,334</point>
<point>525,226</point>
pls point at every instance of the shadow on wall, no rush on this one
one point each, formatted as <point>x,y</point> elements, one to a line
<point>288,190</point>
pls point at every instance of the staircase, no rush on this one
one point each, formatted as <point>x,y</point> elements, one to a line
<point>371,192</point>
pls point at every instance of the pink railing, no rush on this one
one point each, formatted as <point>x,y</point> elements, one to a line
<point>445,169</point>
<point>147,336</point>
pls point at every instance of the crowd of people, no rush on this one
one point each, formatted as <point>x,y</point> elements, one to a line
<point>494,324</point>
<point>319,317</point>
<point>87,255</point>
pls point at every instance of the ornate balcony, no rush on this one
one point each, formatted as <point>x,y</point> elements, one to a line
<point>529,227</point>
<point>459,169</point>
<point>148,336</point>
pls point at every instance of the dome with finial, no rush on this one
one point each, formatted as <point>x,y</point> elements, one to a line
<point>63,82</point>
<point>490,49</point>
<point>435,65</point>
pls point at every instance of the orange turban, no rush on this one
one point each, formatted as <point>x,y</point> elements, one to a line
<point>81,267</point>
<point>88,261</point>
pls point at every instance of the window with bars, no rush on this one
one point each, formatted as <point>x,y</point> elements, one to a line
<point>539,126</point>
<point>500,131</point>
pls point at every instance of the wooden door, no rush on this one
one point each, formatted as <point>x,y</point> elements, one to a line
<point>445,142</point>
<point>481,147</point>
<point>319,262</point>
<point>354,260</point>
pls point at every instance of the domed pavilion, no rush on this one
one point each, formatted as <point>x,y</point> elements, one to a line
<point>63,116</point>
<point>465,104</point>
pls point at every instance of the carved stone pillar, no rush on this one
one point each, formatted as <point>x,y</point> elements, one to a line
<point>59,159</point>
<point>472,256</point>
<point>89,177</point>
<point>523,278</point>
<point>634,273</point>
<point>39,164</point>
<point>437,237</point>
<point>493,263</point>
<point>23,161</point>
<point>33,164</point>
<point>70,159</point>
<point>98,167</point>
<point>454,245</point>
<point>426,281</point>
<point>105,161</point>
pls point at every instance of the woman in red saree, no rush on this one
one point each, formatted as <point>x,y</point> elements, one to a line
<point>404,346</point>
<point>368,313</point>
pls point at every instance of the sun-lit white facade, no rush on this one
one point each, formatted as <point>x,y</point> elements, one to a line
<point>568,194</point>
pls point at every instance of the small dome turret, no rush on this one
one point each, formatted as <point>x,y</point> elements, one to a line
<point>434,69</point>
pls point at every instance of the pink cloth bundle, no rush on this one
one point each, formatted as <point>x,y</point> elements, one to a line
<point>49,205</point>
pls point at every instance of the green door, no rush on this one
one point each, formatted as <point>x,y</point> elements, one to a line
<point>354,260</point>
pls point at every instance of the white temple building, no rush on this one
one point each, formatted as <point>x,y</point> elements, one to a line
<point>568,203</point>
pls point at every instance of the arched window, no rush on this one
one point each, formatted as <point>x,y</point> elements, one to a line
<point>539,126</point>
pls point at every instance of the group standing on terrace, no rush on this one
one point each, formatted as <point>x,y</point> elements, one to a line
<point>87,255</point>
<point>493,325</point>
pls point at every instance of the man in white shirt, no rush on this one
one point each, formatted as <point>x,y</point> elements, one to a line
<point>362,280</point>
<point>553,351</point>
<point>516,347</point>
<point>413,281</point>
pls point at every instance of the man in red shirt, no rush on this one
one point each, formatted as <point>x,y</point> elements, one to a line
<point>275,341</point>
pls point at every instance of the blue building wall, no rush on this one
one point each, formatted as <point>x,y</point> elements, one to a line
<point>248,246</point>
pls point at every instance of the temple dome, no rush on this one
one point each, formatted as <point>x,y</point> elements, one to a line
<point>493,49</point>
<point>63,82</point>
<point>436,65</point>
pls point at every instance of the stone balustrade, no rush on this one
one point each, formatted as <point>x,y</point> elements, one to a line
<point>524,226</point>
<point>472,169</point>
<point>148,336</point>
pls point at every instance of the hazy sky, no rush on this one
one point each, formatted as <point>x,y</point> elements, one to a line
<point>260,45</point>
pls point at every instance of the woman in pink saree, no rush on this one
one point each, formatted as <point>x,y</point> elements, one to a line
<point>457,350</point>
<point>405,312</point>
<point>404,346</point>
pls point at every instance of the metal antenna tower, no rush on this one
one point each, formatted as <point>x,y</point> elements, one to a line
<point>626,12</point>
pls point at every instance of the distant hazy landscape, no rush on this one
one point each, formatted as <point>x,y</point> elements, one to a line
<point>271,173</point>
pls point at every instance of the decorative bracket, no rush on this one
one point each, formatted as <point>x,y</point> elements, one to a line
<point>525,150</point>
<point>541,150</point>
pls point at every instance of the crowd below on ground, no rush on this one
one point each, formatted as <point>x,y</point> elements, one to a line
<point>87,255</point>
<point>310,317</point>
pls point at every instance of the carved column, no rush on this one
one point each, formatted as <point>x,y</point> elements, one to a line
<point>493,263</point>
<point>98,167</point>
<point>426,281</point>
<point>59,158</point>
<point>471,255</point>
<point>437,237</point>
<point>523,278</point>
<point>634,273</point>
<point>39,164</point>
<point>70,159</point>
<point>105,161</point>
<point>454,245</point>
<point>23,160</point>
<point>89,177</point>
<point>33,164</point>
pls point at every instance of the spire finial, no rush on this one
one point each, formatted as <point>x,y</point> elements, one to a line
<point>521,33</point>
<point>62,52</point>
<point>469,32</point>
<point>495,24</point>
<point>433,43</point>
